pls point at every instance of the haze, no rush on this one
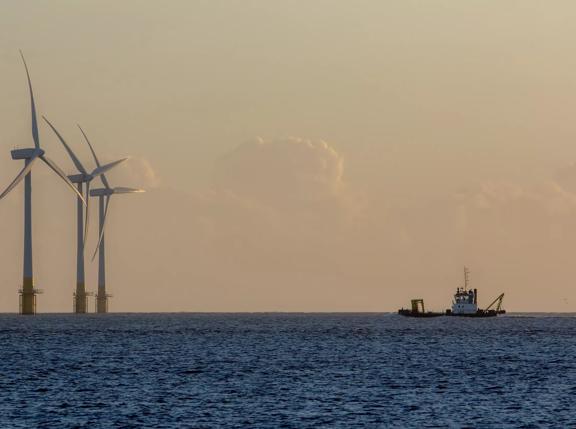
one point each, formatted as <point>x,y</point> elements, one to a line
<point>300,156</point>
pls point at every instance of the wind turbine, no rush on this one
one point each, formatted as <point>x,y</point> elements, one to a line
<point>83,177</point>
<point>104,194</point>
<point>30,155</point>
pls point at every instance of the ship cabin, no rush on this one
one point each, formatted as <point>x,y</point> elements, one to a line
<point>465,301</point>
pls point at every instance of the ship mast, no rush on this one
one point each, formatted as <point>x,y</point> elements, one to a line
<point>466,278</point>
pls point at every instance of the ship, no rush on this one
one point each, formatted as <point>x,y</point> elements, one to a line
<point>464,304</point>
<point>418,310</point>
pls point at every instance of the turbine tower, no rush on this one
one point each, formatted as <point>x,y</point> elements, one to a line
<point>81,179</point>
<point>30,155</point>
<point>104,194</point>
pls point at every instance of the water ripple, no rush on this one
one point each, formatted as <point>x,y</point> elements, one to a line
<point>286,371</point>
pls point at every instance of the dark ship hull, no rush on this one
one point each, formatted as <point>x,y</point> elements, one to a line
<point>409,313</point>
<point>479,313</point>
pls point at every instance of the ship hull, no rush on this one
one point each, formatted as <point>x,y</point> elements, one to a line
<point>479,313</point>
<point>410,313</point>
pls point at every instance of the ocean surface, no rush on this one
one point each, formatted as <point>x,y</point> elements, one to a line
<point>287,371</point>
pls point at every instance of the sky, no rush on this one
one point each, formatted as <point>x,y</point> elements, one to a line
<point>311,155</point>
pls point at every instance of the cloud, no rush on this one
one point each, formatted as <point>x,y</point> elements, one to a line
<point>566,177</point>
<point>292,173</point>
<point>513,204</point>
<point>136,172</point>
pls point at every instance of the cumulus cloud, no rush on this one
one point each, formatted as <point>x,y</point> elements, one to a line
<point>566,177</point>
<point>286,173</point>
<point>511,201</point>
<point>136,172</point>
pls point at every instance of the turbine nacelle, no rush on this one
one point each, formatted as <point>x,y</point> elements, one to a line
<point>79,178</point>
<point>27,153</point>
<point>101,192</point>
<point>86,178</point>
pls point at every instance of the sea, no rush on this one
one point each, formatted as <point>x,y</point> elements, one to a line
<point>287,370</point>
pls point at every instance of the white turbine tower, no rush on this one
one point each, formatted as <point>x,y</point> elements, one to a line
<point>83,177</point>
<point>104,195</point>
<point>30,155</point>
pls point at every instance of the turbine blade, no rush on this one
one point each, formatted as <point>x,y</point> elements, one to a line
<point>121,190</point>
<point>87,216</point>
<point>91,148</point>
<point>20,176</point>
<point>104,168</point>
<point>72,155</point>
<point>33,106</point>
<point>102,177</point>
<point>63,176</point>
<point>105,181</point>
<point>103,226</point>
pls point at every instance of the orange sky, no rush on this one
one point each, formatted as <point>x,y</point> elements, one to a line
<point>300,156</point>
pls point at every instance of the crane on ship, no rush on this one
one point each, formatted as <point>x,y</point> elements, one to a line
<point>498,302</point>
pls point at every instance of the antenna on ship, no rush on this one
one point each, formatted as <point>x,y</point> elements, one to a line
<point>466,277</point>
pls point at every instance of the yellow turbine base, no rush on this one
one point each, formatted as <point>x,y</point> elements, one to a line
<point>80,299</point>
<point>101,304</point>
<point>28,297</point>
